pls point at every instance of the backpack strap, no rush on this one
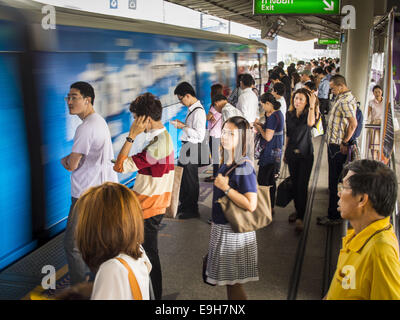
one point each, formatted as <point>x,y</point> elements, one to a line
<point>187,117</point>
<point>135,289</point>
<point>235,166</point>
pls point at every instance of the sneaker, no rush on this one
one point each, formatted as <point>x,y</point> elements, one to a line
<point>299,225</point>
<point>292,217</point>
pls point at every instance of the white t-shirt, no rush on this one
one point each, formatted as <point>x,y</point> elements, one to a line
<point>229,111</point>
<point>112,282</point>
<point>92,139</point>
<point>248,105</point>
<point>283,106</point>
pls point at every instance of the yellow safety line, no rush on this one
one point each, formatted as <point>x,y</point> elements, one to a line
<point>36,293</point>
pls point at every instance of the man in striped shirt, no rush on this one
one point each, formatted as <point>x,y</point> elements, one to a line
<point>342,123</point>
<point>154,181</point>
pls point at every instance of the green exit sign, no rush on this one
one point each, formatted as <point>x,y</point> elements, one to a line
<point>299,7</point>
<point>328,41</point>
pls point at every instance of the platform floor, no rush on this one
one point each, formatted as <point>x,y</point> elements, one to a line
<point>182,244</point>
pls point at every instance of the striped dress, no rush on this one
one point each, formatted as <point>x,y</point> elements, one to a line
<point>232,257</point>
<point>155,178</point>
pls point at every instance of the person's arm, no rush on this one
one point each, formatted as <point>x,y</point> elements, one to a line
<point>268,134</point>
<point>247,201</point>
<point>71,162</point>
<point>311,111</point>
<point>369,114</point>
<point>137,127</point>
<point>350,129</point>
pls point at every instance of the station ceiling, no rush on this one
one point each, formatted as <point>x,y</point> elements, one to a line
<point>299,28</point>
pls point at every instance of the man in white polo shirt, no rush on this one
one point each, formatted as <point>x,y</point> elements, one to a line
<point>248,101</point>
<point>89,163</point>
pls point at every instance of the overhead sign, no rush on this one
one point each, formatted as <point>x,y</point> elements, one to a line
<point>334,47</point>
<point>320,46</point>
<point>328,41</point>
<point>300,7</point>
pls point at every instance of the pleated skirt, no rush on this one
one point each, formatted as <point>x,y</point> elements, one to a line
<point>232,257</point>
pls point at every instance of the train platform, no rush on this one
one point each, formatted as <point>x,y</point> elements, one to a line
<point>183,243</point>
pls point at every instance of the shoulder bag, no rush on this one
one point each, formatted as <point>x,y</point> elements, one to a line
<point>242,220</point>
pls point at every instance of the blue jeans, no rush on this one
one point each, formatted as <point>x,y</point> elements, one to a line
<point>77,268</point>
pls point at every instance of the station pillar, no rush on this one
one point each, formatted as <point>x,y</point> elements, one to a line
<point>357,50</point>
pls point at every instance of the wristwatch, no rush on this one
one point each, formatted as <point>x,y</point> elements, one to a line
<point>129,139</point>
<point>346,144</point>
<point>227,190</point>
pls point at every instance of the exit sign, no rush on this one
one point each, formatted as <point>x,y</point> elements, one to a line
<point>328,41</point>
<point>299,7</point>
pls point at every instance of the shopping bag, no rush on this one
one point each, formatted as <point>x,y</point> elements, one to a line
<point>318,129</point>
<point>173,208</point>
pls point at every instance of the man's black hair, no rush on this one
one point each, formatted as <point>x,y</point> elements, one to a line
<point>247,80</point>
<point>219,97</point>
<point>375,179</point>
<point>85,89</point>
<point>279,88</point>
<point>184,88</point>
<point>275,76</point>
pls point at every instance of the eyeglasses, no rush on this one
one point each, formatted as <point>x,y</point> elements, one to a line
<point>341,187</point>
<point>72,98</point>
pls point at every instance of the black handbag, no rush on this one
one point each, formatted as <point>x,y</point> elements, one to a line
<point>284,193</point>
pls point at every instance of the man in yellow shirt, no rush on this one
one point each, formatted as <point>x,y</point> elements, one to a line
<point>368,266</point>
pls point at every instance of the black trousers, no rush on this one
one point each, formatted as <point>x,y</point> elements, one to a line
<point>266,177</point>
<point>300,171</point>
<point>150,245</point>
<point>190,187</point>
<point>336,161</point>
<point>214,149</point>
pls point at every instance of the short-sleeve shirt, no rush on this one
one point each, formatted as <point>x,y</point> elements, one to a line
<point>92,139</point>
<point>368,266</point>
<point>299,134</point>
<point>343,108</point>
<point>274,122</point>
<point>243,179</point>
<point>112,282</point>
<point>377,109</point>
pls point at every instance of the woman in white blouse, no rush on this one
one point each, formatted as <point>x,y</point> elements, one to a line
<point>375,109</point>
<point>109,235</point>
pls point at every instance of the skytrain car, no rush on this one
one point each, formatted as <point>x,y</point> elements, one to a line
<point>121,58</point>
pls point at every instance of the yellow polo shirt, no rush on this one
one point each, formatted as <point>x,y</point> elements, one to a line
<point>368,266</point>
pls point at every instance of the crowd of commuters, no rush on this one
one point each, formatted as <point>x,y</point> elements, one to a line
<point>112,232</point>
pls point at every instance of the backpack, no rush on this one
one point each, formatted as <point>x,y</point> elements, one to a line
<point>360,118</point>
